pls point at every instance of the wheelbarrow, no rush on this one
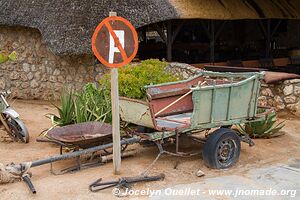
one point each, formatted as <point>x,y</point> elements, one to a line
<point>76,137</point>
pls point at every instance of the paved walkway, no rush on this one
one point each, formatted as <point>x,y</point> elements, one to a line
<point>274,182</point>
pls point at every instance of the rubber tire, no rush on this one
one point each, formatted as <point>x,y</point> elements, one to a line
<point>210,148</point>
<point>23,130</point>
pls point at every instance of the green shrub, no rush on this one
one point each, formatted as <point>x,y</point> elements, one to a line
<point>4,57</point>
<point>133,78</point>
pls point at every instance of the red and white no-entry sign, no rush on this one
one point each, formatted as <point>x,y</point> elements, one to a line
<point>115,42</point>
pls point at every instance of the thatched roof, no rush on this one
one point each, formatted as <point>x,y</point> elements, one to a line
<point>67,25</point>
<point>237,9</point>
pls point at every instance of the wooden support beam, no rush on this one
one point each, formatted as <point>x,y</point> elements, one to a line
<point>160,32</point>
<point>220,29</point>
<point>212,41</point>
<point>206,29</point>
<point>177,30</point>
<point>262,28</point>
<point>275,29</point>
<point>169,41</point>
<point>268,40</point>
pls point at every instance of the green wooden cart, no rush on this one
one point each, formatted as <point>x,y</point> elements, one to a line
<point>206,101</point>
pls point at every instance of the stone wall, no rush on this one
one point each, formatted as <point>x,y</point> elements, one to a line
<point>38,73</point>
<point>284,95</point>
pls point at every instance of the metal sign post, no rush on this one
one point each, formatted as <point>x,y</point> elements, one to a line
<point>115,44</point>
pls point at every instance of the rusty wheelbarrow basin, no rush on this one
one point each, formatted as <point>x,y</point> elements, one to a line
<point>88,133</point>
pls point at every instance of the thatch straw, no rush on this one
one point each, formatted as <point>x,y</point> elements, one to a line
<point>67,26</point>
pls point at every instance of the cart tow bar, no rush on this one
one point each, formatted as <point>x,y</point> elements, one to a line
<point>12,172</point>
<point>123,183</point>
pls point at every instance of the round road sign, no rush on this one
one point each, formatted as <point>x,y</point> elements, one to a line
<point>115,42</point>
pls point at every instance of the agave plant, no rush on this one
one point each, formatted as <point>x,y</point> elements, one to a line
<point>65,111</point>
<point>262,129</point>
<point>92,104</point>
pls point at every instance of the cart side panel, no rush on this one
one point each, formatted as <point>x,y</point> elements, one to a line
<point>216,104</point>
<point>240,101</point>
<point>202,107</point>
<point>136,112</point>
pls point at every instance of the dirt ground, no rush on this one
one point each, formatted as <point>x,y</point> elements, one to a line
<point>177,170</point>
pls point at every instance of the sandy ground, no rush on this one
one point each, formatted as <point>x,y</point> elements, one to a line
<point>75,185</point>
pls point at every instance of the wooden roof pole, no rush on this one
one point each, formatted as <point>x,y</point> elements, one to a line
<point>268,34</point>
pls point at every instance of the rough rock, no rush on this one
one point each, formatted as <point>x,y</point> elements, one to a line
<point>294,108</point>
<point>290,99</point>
<point>26,67</point>
<point>34,84</point>
<point>287,90</point>
<point>267,92</point>
<point>279,105</point>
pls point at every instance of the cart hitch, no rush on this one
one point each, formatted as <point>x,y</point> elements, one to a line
<point>123,182</point>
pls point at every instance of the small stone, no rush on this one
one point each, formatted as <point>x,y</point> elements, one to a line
<point>297,90</point>
<point>80,79</point>
<point>99,69</point>
<point>14,75</point>
<point>279,105</point>
<point>58,87</point>
<point>52,79</point>
<point>26,67</point>
<point>44,78</point>
<point>295,81</point>
<point>2,83</point>
<point>56,72</point>
<point>33,68</point>
<point>49,70</point>
<point>37,76</point>
<point>63,63</point>
<point>286,82</point>
<point>15,45</point>
<point>294,108</point>
<point>30,76</point>
<point>60,79</point>
<point>200,173</point>
<point>290,99</point>
<point>81,70</point>
<point>69,78</point>
<point>262,101</point>
<point>287,90</point>
<point>267,92</point>
<point>25,85</point>
<point>271,102</point>
<point>23,77</point>
<point>34,84</point>
<point>185,75</point>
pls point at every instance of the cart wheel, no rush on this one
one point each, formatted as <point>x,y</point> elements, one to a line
<point>222,149</point>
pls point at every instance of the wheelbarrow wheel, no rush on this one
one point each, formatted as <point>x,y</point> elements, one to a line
<point>222,149</point>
